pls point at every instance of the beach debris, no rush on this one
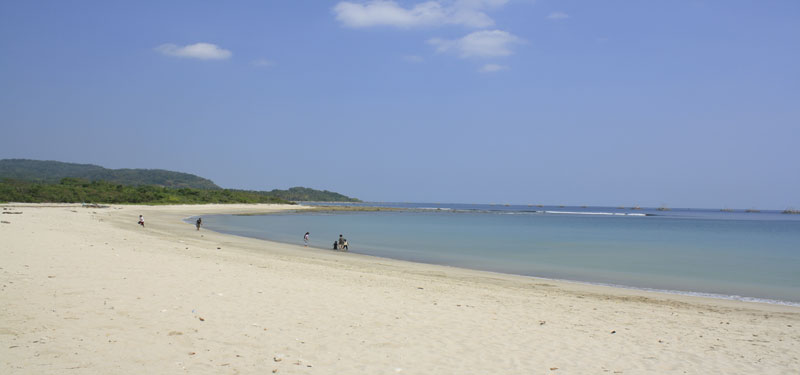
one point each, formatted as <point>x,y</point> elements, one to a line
<point>192,353</point>
<point>219,248</point>
<point>274,370</point>
<point>12,212</point>
<point>553,368</point>
<point>174,333</point>
<point>5,222</point>
<point>93,205</point>
<point>201,318</point>
<point>613,332</point>
<point>542,322</point>
<point>278,358</point>
<point>50,276</point>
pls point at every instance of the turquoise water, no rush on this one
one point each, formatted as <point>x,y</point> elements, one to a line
<point>753,256</point>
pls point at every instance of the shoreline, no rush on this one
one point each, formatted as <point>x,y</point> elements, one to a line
<point>334,209</point>
<point>87,289</point>
<point>686,293</point>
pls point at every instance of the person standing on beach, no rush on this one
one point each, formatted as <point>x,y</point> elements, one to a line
<point>305,239</point>
<point>141,220</point>
<point>198,223</point>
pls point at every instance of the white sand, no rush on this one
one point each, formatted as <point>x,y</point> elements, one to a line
<point>87,291</point>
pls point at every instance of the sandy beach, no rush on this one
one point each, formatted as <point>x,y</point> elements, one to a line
<point>88,291</point>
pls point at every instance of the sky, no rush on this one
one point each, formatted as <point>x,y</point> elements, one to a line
<point>650,103</point>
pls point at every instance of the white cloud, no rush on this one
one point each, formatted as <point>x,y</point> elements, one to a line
<point>413,59</point>
<point>262,63</point>
<point>481,4</point>
<point>430,13</point>
<point>486,43</point>
<point>491,68</point>
<point>558,16</point>
<point>202,51</point>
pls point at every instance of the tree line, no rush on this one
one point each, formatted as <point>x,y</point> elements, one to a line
<point>77,190</point>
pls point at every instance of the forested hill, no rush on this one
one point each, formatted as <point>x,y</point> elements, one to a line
<point>23,180</point>
<point>51,172</point>
<point>301,194</point>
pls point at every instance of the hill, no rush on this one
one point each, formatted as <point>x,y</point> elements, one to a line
<point>23,180</point>
<point>302,194</point>
<point>74,190</point>
<point>51,172</point>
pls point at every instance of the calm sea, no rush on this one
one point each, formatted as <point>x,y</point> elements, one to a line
<point>737,255</point>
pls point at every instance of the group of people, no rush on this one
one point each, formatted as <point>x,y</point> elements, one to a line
<point>340,244</point>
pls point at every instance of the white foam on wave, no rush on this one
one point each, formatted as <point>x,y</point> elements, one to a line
<point>594,213</point>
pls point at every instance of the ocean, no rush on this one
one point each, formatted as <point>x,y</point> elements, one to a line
<point>752,256</point>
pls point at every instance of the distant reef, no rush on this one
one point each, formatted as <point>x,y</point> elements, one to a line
<point>24,180</point>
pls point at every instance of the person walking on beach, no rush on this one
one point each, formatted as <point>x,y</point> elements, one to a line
<point>342,243</point>
<point>305,239</point>
<point>141,220</point>
<point>198,222</point>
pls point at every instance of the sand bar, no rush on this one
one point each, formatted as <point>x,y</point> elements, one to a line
<point>87,291</point>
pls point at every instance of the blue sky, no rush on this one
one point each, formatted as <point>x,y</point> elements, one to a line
<point>680,103</point>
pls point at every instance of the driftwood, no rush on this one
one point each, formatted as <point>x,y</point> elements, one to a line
<point>12,212</point>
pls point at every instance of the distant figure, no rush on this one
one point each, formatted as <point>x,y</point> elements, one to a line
<point>141,220</point>
<point>305,239</point>
<point>345,246</point>
<point>198,223</point>
<point>335,245</point>
<point>342,243</point>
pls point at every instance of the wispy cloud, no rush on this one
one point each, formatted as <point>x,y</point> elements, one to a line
<point>262,63</point>
<point>469,13</point>
<point>492,68</point>
<point>202,51</point>
<point>557,16</point>
<point>486,43</point>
